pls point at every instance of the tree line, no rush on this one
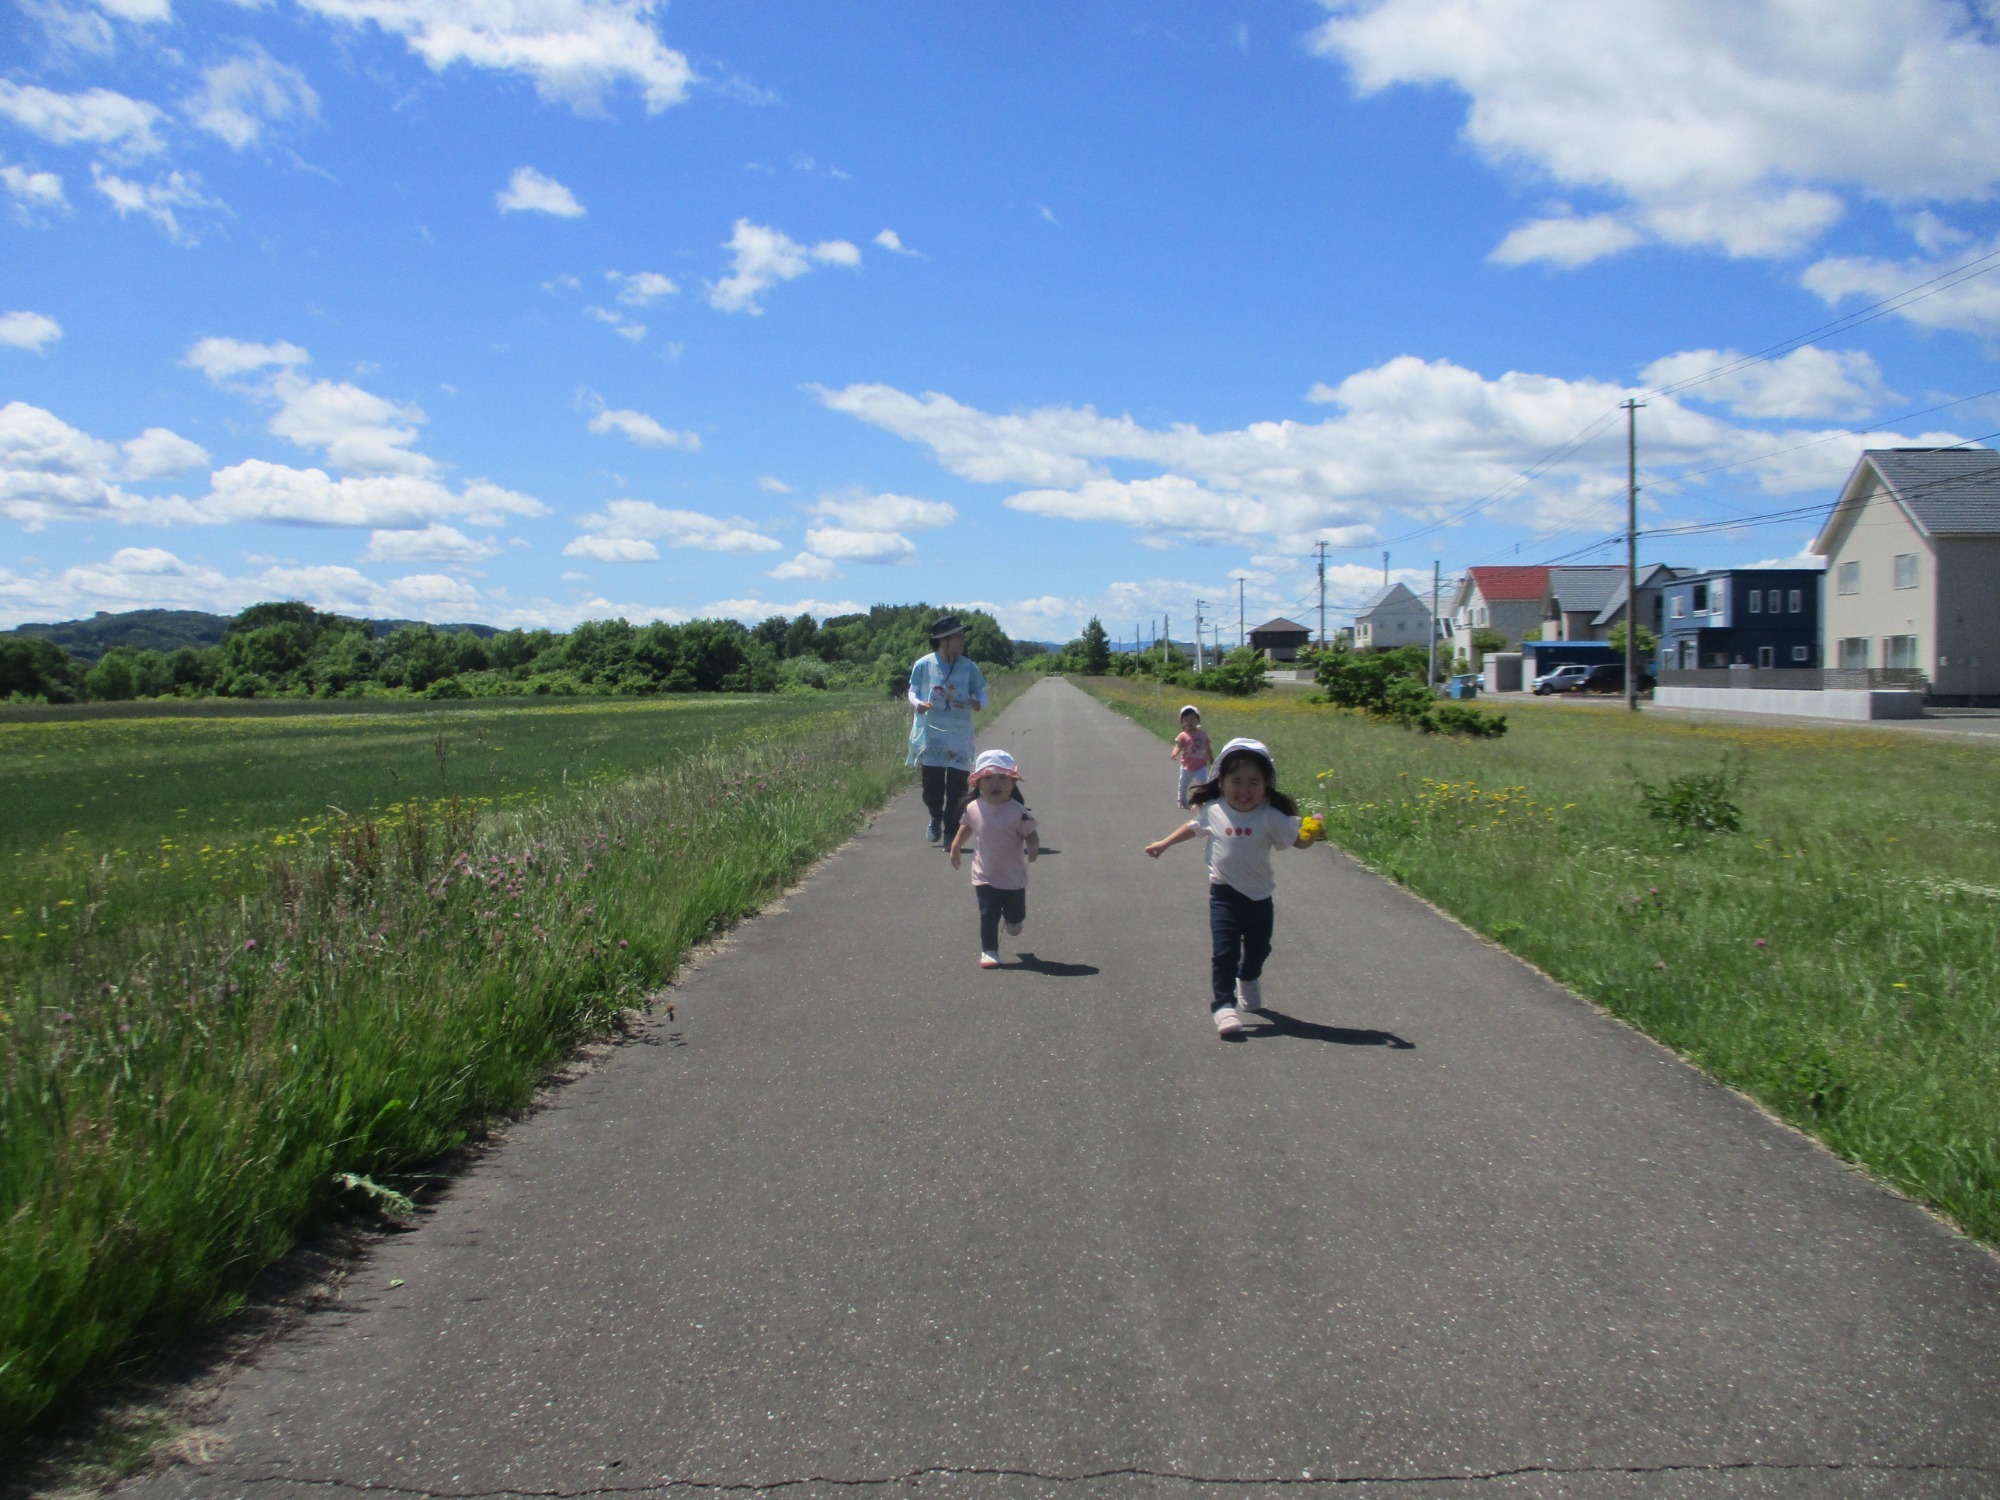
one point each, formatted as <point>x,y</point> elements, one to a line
<point>291,650</point>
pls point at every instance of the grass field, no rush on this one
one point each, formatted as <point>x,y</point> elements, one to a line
<point>1838,958</point>
<point>259,969</point>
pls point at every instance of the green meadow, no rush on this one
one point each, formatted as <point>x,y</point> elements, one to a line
<point>258,970</point>
<point>1837,958</point>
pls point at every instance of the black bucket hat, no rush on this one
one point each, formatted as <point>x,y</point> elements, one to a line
<point>945,625</point>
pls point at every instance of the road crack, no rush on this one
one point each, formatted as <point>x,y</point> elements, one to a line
<point>667,1484</point>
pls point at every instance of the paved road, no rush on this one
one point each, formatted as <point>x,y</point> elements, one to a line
<point>865,1215</point>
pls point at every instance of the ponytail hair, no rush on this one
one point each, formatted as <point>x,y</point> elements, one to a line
<point>1211,789</point>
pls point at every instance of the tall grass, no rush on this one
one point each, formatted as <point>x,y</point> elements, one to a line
<point>194,1068</point>
<point>1838,958</point>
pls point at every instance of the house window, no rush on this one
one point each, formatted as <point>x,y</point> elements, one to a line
<point>1850,578</point>
<point>1756,601</point>
<point>1854,651</point>
<point>1798,600</point>
<point>1899,651</point>
<point>1680,607</point>
<point>1701,598</point>
<point>1767,656</point>
<point>1906,570</point>
<point>1777,598</point>
<point>1801,653</point>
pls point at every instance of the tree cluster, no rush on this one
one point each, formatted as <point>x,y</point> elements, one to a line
<point>1390,685</point>
<point>1239,673</point>
<point>290,650</point>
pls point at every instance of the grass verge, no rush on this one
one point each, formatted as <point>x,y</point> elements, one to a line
<point>1838,958</point>
<point>197,1063</point>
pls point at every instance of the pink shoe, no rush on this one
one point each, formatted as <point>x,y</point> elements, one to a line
<point>1227,1022</point>
<point>989,960</point>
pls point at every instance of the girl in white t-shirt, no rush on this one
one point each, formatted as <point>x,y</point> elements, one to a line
<point>1244,817</point>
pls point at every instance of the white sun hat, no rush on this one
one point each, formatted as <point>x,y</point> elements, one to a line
<point>994,763</point>
<point>1249,747</point>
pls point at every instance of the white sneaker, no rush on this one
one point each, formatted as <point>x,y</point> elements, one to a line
<point>1013,929</point>
<point>1250,995</point>
<point>1227,1023</point>
<point>989,960</point>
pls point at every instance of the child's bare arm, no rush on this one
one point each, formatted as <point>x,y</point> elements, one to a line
<point>1179,836</point>
<point>1034,844</point>
<point>959,840</point>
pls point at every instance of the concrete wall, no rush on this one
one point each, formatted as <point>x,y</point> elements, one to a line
<point>1834,703</point>
<point>1503,673</point>
<point>1876,532</point>
<point>1967,661</point>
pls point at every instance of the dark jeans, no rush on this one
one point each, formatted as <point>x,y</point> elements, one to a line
<point>944,795</point>
<point>1240,933</point>
<point>994,904</point>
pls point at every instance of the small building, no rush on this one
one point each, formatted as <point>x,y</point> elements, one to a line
<point>1394,617</point>
<point>1913,568</point>
<point>1575,598</point>
<point>1653,577</point>
<point>1511,600</point>
<point>1743,617</point>
<point>1280,639</point>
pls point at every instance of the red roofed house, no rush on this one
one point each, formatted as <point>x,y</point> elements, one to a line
<point>1512,601</point>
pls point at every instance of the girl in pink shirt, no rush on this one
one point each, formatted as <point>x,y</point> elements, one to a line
<point>1001,830</point>
<point>1191,750</point>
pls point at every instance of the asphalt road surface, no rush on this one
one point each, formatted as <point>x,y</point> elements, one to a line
<point>865,1219</point>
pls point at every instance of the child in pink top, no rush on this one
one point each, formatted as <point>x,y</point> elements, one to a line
<point>1001,830</point>
<point>1192,751</point>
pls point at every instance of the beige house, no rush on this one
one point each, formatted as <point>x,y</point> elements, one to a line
<point>1912,550</point>
<point>1394,617</point>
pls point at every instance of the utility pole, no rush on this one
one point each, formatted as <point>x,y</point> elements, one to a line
<point>1434,623</point>
<point>1385,570</point>
<point>1632,553</point>
<point>1199,664</point>
<point>1322,596</point>
<point>1242,640</point>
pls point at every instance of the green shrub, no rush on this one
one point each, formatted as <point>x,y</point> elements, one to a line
<point>1701,800</point>
<point>1461,718</point>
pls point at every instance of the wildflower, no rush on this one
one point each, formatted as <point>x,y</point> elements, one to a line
<point>621,942</point>
<point>249,945</point>
<point>1760,942</point>
<point>66,1017</point>
<point>1659,963</point>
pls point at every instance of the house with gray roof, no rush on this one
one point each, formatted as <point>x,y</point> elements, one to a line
<point>1912,550</point>
<point>1394,617</point>
<point>1574,599</point>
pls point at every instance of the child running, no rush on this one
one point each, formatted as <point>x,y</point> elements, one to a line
<point>1001,830</point>
<point>1191,750</point>
<point>1245,817</point>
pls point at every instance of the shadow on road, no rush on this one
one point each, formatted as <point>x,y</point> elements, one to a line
<point>1278,1024</point>
<point>1052,968</point>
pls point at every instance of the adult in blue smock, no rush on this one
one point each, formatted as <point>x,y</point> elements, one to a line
<point>945,688</point>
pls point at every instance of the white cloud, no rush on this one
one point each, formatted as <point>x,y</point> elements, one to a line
<point>1719,124</point>
<point>845,545</point>
<point>805,565</point>
<point>639,288</point>
<point>1565,240</point>
<point>763,257</point>
<point>1969,306</point>
<point>434,543</point>
<point>750,611</point>
<point>643,430</point>
<point>32,192</point>
<point>888,239</point>
<point>158,452</point>
<point>158,200</point>
<point>1412,437</point>
<point>277,493</point>
<point>623,326</point>
<point>885,512</point>
<point>774,484</point>
<point>641,520</point>
<point>1808,382</point>
<point>613,549</point>
<point>238,98</point>
<point>576,51</point>
<point>32,331</point>
<point>528,191</point>
<point>140,12</point>
<point>120,126</point>
<point>219,358</point>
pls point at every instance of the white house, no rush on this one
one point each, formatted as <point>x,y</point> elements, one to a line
<point>1394,617</point>
<point>1912,552</point>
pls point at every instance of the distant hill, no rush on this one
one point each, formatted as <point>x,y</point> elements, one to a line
<point>167,630</point>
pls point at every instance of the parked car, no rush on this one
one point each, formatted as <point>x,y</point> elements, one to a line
<point>1567,678</point>
<point>1609,677</point>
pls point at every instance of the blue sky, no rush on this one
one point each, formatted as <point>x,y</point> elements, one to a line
<point>530,311</point>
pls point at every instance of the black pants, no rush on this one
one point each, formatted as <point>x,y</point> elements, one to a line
<point>994,904</point>
<point>944,795</point>
<point>1240,933</point>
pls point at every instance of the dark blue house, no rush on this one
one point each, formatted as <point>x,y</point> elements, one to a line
<point>1753,617</point>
